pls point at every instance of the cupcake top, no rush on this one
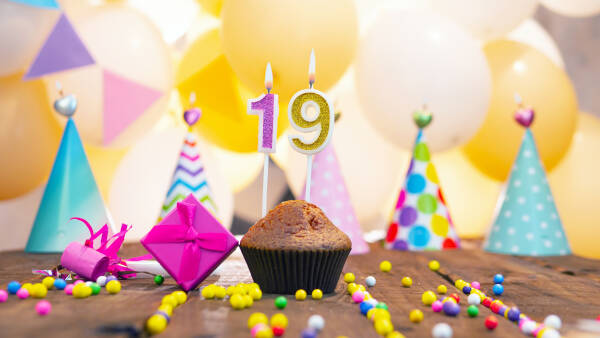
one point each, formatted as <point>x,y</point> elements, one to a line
<point>296,225</point>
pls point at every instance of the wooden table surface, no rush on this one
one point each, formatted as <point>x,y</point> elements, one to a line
<point>567,286</point>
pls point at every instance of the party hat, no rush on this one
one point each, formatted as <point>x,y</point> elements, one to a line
<point>189,176</point>
<point>527,222</point>
<point>328,192</point>
<point>71,191</point>
<point>421,220</point>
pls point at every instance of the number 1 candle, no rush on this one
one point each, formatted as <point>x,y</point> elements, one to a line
<point>299,120</point>
<point>267,109</point>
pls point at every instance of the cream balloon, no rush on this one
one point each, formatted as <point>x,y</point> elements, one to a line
<point>124,42</point>
<point>575,187</point>
<point>411,58</point>
<point>23,29</point>
<point>173,18</point>
<point>142,178</point>
<point>19,211</point>
<point>576,8</point>
<point>486,19</point>
<point>239,169</point>
<point>531,33</point>
<point>372,168</point>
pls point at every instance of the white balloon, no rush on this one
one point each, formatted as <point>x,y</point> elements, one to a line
<point>372,168</point>
<point>142,179</point>
<point>531,33</point>
<point>23,29</point>
<point>576,8</point>
<point>239,169</point>
<point>408,59</point>
<point>486,19</point>
<point>174,18</point>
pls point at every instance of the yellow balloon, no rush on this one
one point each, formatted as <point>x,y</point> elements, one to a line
<point>29,135</point>
<point>104,163</point>
<point>221,97</point>
<point>284,32</point>
<point>212,7</point>
<point>575,187</point>
<point>518,68</point>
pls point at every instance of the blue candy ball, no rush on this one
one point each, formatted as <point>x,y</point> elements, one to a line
<point>498,289</point>
<point>13,287</point>
<point>60,283</point>
<point>498,279</point>
<point>466,290</point>
<point>514,314</point>
<point>309,333</point>
<point>365,307</point>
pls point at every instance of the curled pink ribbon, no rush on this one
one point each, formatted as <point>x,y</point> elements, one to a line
<point>194,241</point>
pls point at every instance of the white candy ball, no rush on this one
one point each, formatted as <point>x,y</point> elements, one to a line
<point>316,322</point>
<point>370,281</point>
<point>101,280</point>
<point>551,333</point>
<point>528,327</point>
<point>441,330</point>
<point>88,283</point>
<point>553,321</point>
<point>474,299</point>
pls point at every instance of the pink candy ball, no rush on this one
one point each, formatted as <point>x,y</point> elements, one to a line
<point>437,306</point>
<point>22,293</point>
<point>476,285</point>
<point>358,296</point>
<point>78,281</point>
<point>43,307</point>
<point>257,328</point>
<point>69,289</point>
<point>3,296</point>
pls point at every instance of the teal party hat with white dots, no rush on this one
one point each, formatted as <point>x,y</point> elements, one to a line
<point>421,220</point>
<point>527,222</point>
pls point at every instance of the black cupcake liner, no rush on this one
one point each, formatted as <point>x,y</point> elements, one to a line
<point>286,271</point>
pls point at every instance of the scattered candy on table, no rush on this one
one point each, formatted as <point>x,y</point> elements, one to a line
<point>385,266</point>
<point>491,322</point>
<point>48,282</point>
<point>472,311</point>
<point>451,308</point>
<point>316,322</point>
<point>13,287</point>
<point>60,284</point>
<point>257,318</point>
<point>466,289</point>
<point>113,286</point>
<point>69,289</point>
<point>95,288</point>
<point>27,286</point>
<point>278,331</point>
<point>237,301</point>
<point>474,299</point>
<point>437,306</point>
<point>101,280</point>
<point>553,321</point>
<point>81,290</point>
<point>441,330</point>
<point>180,296</point>
<point>351,288</point>
<point>406,282</point>
<point>38,290</point>
<point>498,289</point>
<point>498,279</point>
<point>442,289</point>
<point>158,279</point>
<point>349,277</point>
<point>434,265</point>
<point>365,306</point>
<point>301,294</point>
<point>358,296</point>
<point>208,292</point>
<point>156,324</point>
<point>23,293</point>
<point>309,333</point>
<point>43,307</point>
<point>475,285</point>
<point>370,281</point>
<point>3,296</point>
<point>428,297</point>
<point>281,302</point>
<point>416,316</point>
<point>317,294</point>
<point>255,293</point>
<point>279,319</point>
<point>383,326</point>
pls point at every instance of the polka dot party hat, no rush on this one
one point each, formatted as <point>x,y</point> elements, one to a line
<point>527,222</point>
<point>328,192</point>
<point>421,220</point>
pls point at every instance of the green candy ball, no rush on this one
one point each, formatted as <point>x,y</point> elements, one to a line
<point>280,302</point>
<point>473,311</point>
<point>158,279</point>
<point>95,288</point>
<point>381,305</point>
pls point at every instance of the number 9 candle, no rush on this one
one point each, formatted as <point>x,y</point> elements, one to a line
<point>299,120</point>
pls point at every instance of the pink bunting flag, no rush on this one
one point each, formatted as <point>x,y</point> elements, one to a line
<point>124,102</point>
<point>328,192</point>
<point>63,50</point>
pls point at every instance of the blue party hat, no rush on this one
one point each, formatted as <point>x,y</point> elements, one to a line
<point>71,191</point>
<point>527,222</point>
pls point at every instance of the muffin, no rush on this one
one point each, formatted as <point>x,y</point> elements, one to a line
<point>295,246</point>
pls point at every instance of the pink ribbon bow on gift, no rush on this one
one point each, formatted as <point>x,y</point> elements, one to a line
<point>186,233</point>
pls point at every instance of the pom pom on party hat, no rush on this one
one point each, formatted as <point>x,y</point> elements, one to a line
<point>189,176</point>
<point>421,220</point>
<point>71,191</point>
<point>527,222</point>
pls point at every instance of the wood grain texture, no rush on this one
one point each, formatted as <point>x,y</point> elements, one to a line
<point>566,286</point>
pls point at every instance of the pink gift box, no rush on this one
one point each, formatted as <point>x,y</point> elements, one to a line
<point>189,243</point>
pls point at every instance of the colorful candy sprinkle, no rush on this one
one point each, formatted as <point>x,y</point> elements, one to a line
<point>349,277</point>
<point>498,289</point>
<point>358,296</point>
<point>475,285</point>
<point>316,322</point>
<point>370,281</point>
<point>553,321</point>
<point>416,316</point>
<point>434,265</point>
<point>491,322</point>
<point>255,293</point>
<point>441,330</point>
<point>317,294</point>
<point>156,324</point>
<point>474,299</point>
<point>351,288</point>
<point>237,301</point>
<point>257,318</point>
<point>13,287</point>
<point>442,289</point>
<point>279,319</point>
<point>69,289</point>
<point>48,282</point>
<point>38,290</point>
<point>407,282</point>
<point>451,308</point>
<point>3,296</point>
<point>383,326</point>
<point>385,266</point>
<point>281,302</point>
<point>472,311</point>
<point>301,294</point>
<point>437,306</point>
<point>498,279</point>
<point>101,280</point>
<point>23,293</point>
<point>113,287</point>
<point>43,307</point>
<point>158,279</point>
<point>60,284</point>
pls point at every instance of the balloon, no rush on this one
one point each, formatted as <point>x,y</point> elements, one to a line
<point>576,8</point>
<point>575,187</point>
<point>486,19</point>
<point>239,170</point>
<point>212,7</point>
<point>173,18</point>
<point>518,68</point>
<point>531,33</point>
<point>125,43</point>
<point>23,29</point>
<point>137,199</point>
<point>372,168</point>
<point>204,70</point>
<point>18,215</point>
<point>283,33</point>
<point>29,136</point>
<point>104,163</point>
<point>403,63</point>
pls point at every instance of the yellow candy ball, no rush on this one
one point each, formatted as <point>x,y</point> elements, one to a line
<point>381,314</point>
<point>48,282</point>
<point>349,277</point>
<point>244,287</point>
<point>352,287</point>
<point>257,318</point>
<point>383,326</point>
<point>220,292</point>
<point>368,296</point>
<point>27,286</point>
<point>361,287</point>
<point>416,316</point>
<point>170,300</point>
<point>238,290</point>
<point>317,294</point>
<point>442,289</point>
<point>156,324</point>
<point>38,290</point>
<point>459,283</point>
<point>166,308</point>
<point>113,287</point>
<point>237,301</point>
<point>279,319</point>
<point>180,296</point>
<point>395,334</point>
<point>385,266</point>
<point>254,285</point>
<point>448,299</point>
<point>264,333</point>
<point>255,293</point>
<point>428,297</point>
<point>407,282</point>
<point>301,294</point>
<point>370,313</point>
<point>208,292</point>
<point>248,301</point>
<point>229,290</point>
<point>434,265</point>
